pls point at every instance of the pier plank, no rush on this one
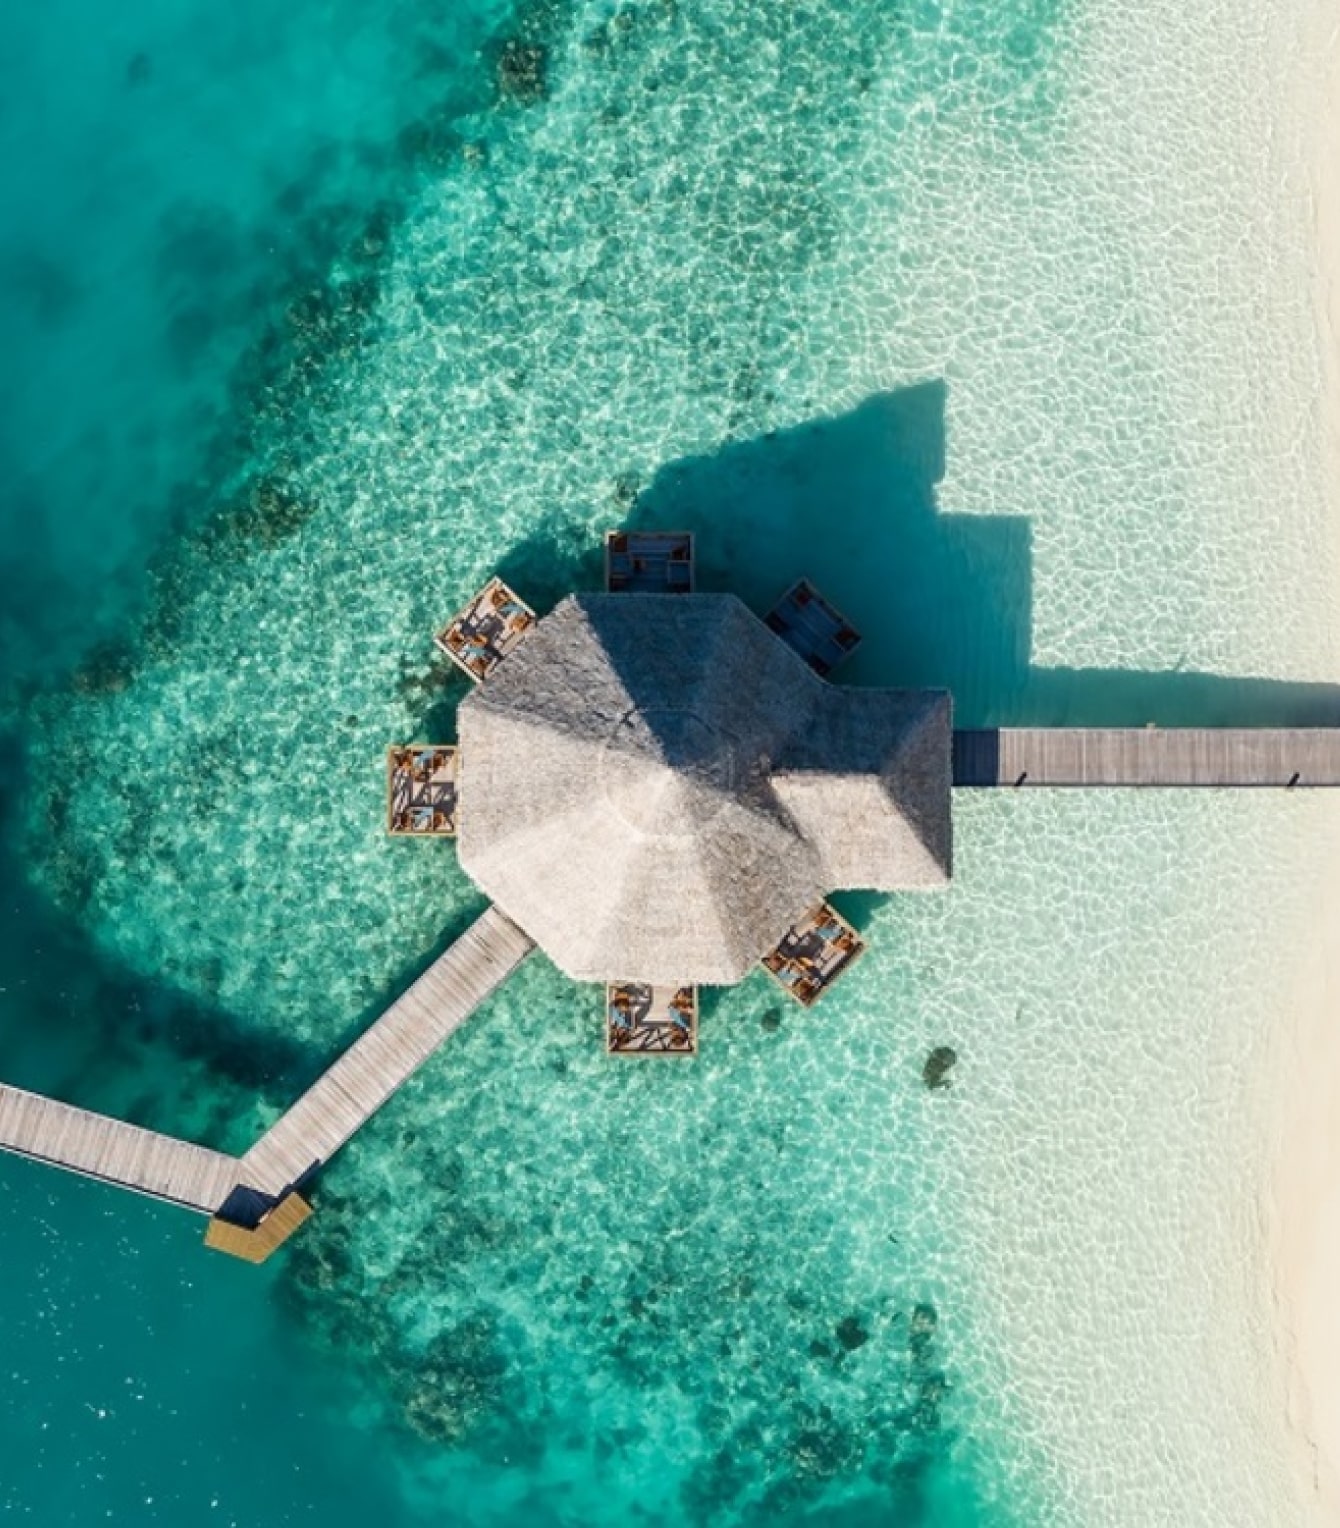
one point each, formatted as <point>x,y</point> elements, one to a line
<point>97,1146</point>
<point>1148,756</point>
<point>387,1055</point>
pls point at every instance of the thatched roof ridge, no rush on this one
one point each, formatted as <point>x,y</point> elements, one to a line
<point>619,793</point>
<point>869,785</point>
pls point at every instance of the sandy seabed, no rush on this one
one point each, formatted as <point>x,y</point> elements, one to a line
<point>1303,1210</point>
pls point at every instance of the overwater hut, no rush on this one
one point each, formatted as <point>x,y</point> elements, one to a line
<point>655,788</point>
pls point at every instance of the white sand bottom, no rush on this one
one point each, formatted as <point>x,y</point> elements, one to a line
<point>1304,1215</point>
<point>1303,1208</point>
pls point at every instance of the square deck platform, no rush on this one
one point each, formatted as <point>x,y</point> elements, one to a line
<point>253,1244</point>
<point>421,791</point>
<point>649,562</point>
<point>819,632</point>
<point>479,637</point>
<point>813,953</point>
<point>642,1020</point>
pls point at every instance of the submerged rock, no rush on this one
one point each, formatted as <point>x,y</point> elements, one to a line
<point>921,1334</point>
<point>457,1384</point>
<point>822,1448</point>
<point>272,512</point>
<point>108,668</point>
<point>939,1064</point>
<point>434,142</point>
<point>851,1334</point>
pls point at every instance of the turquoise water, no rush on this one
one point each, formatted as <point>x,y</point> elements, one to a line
<point>996,322</point>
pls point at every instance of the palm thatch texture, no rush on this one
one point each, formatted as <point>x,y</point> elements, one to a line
<point>421,791</point>
<point>655,788</point>
<point>481,635</point>
<point>649,562</point>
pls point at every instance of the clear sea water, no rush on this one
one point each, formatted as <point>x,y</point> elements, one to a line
<point>994,319</point>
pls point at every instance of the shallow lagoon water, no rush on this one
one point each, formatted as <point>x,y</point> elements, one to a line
<point>889,297</point>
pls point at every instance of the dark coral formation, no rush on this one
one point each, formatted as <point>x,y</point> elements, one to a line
<point>272,512</point>
<point>433,142</point>
<point>458,1383</point>
<point>788,1394</point>
<point>107,668</point>
<point>939,1064</point>
<point>851,1334</point>
<point>523,71</point>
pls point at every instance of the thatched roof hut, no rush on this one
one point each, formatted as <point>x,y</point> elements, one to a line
<point>655,787</point>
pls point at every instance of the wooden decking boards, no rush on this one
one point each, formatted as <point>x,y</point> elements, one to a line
<point>649,562</point>
<point>1148,756</point>
<point>646,1020</point>
<point>386,1055</point>
<point>480,636</point>
<point>421,790</point>
<point>818,631</point>
<point>253,1244</point>
<point>98,1146</point>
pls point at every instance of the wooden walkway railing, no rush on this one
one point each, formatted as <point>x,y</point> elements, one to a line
<point>1148,756</point>
<point>100,1147</point>
<point>386,1055</point>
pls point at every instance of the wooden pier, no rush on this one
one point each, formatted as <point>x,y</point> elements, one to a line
<point>1148,756</point>
<point>251,1199</point>
<point>386,1055</point>
<point>97,1146</point>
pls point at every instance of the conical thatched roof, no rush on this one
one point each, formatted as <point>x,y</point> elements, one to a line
<point>655,787</point>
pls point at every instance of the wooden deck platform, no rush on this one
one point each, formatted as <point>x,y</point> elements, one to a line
<point>421,781</point>
<point>643,1020</point>
<point>819,632</point>
<point>480,636</point>
<point>1148,756</point>
<point>649,562</point>
<point>253,1244</point>
<point>112,1151</point>
<point>386,1055</point>
<point>813,953</point>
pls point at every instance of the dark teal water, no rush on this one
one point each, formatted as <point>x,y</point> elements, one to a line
<point>174,177</point>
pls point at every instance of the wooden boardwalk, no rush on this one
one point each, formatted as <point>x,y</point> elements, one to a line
<point>386,1055</point>
<point>101,1147</point>
<point>1148,756</point>
<point>301,1140</point>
